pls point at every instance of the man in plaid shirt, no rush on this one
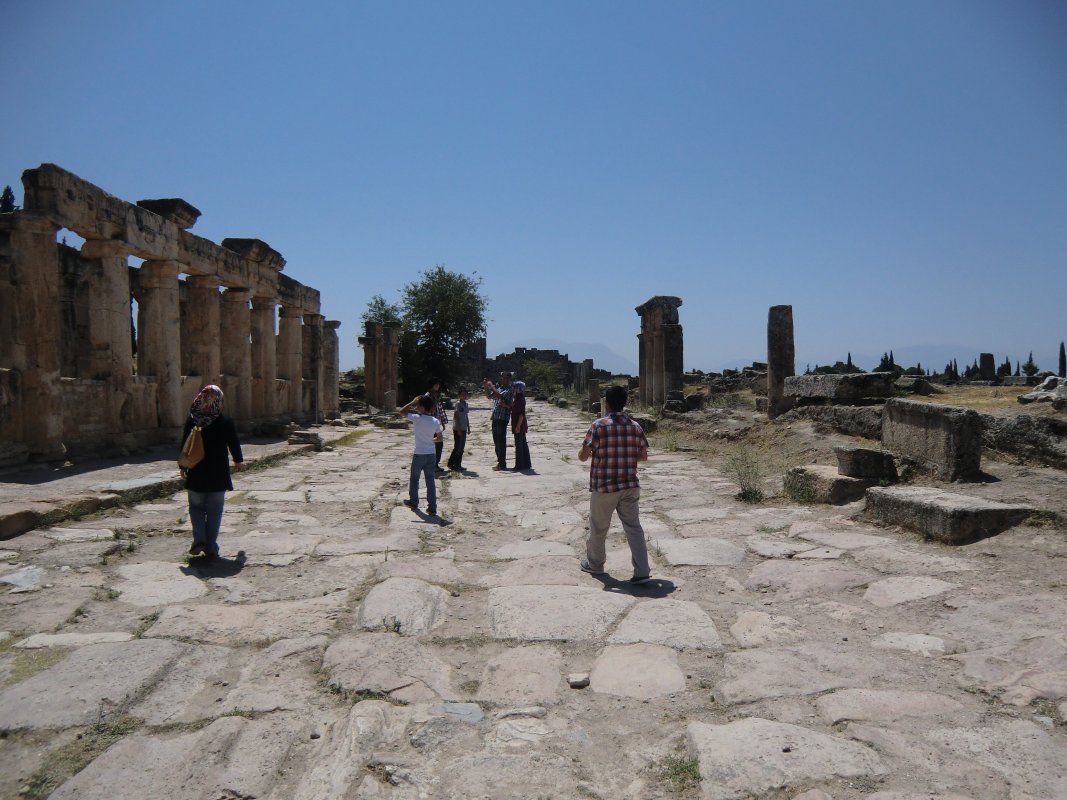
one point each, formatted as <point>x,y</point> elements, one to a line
<point>616,443</point>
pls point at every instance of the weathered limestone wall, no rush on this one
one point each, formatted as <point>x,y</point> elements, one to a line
<point>78,374</point>
<point>946,439</point>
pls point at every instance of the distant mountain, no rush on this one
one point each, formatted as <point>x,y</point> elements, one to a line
<point>603,357</point>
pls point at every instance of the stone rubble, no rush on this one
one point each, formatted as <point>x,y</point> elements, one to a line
<point>346,647</point>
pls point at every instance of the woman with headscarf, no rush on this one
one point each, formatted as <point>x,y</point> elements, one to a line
<point>519,427</point>
<point>208,481</point>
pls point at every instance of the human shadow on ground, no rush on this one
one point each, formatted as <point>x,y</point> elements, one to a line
<point>655,588</point>
<point>216,567</point>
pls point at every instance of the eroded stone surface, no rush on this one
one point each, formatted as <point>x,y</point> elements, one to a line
<point>701,551</point>
<point>523,676</point>
<point>536,613</point>
<point>154,583</point>
<point>674,623</point>
<point>385,663</point>
<point>406,606</point>
<point>884,706</point>
<point>904,589</point>
<point>802,669</point>
<point>796,579</point>
<point>638,670</point>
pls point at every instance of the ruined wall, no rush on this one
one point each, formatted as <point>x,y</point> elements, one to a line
<point>79,375</point>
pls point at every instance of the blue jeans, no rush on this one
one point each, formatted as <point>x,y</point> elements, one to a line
<point>424,465</point>
<point>500,441</point>
<point>205,514</point>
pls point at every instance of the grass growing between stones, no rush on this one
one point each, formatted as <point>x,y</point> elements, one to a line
<point>27,663</point>
<point>350,438</point>
<point>71,758</point>
<point>745,468</point>
<point>799,485</point>
<point>679,773</point>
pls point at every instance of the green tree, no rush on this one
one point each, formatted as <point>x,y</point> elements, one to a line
<point>1063,361</point>
<point>443,312</point>
<point>383,313</point>
<point>541,374</point>
<point>1030,368</point>
<point>7,201</point>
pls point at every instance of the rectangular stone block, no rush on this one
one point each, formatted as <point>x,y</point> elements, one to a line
<point>944,516</point>
<point>944,439</point>
<point>827,389</point>
<point>866,463</point>
<point>821,483</point>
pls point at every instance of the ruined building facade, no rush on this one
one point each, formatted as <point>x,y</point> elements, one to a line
<point>80,375</point>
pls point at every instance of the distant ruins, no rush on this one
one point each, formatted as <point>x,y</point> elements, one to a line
<point>659,347</point>
<point>79,376</point>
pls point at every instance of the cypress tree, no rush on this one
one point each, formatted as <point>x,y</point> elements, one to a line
<point>1063,362</point>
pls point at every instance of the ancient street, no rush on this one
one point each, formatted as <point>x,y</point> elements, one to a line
<point>346,647</point>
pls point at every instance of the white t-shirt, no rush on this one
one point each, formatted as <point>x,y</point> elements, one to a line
<point>425,427</point>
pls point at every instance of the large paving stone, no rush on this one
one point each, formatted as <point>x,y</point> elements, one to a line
<point>441,568</point>
<point>156,583</point>
<point>701,552</point>
<point>72,640</point>
<point>795,579</point>
<point>895,558</point>
<point>541,613</point>
<point>406,606</point>
<point>680,624</point>
<point>759,629</point>
<point>384,663</point>
<point>1021,672</point>
<point>194,688</point>
<point>921,643</point>
<point>257,623</point>
<point>1009,619</point>
<point>801,669</point>
<point>543,570</point>
<point>753,757</point>
<point>79,534</point>
<point>96,679</point>
<point>842,540</point>
<point>944,516</point>
<point>1029,757</point>
<point>230,758</point>
<point>887,705</point>
<point>533,549</point>
<point>522,676</point>
<point>904,589</point>
<point>643,671</point>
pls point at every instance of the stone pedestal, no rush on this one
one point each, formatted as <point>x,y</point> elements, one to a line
<point>780,357</point>
<point>110,331</point>
<point>200,330</point>
<point>159,338</point>
<point>264,356</point>
<point>236,351</point>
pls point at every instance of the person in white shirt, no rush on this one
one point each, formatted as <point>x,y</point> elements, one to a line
<point>428,432</point>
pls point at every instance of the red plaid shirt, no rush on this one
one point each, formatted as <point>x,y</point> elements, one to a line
<point>616,441</point>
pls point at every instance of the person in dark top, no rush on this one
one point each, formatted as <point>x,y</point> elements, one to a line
<point>208,481</point>
<point>519,427</point>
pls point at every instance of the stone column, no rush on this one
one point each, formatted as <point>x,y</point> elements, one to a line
<point>264,356</point>
<point>312,366</point>
<point>331,405</point>
<point>236,351</point>
<point>660,350</point>
<point>372,380</point>
<point>780,358</point>
<point>30,336</point>
<point>200,330</point>
<point>643,395</point>
<point>987,367</point>
<point>593,387</point>
<point>159,338</point>
<point>110,334</point>
<point>290,365</point>
<point>390,369</point>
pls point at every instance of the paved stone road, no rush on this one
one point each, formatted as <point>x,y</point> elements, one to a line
<point>349,648</point>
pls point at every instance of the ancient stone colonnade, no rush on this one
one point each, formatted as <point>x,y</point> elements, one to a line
<point>659,348</point>
<point>78,376</point>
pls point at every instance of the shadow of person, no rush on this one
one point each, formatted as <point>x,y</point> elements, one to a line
<point>654,588</point>
<point>217,567</point>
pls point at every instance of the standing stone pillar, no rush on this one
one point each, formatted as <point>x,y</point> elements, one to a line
<point>781,358</point>
<point>236,351</point>
<point>110,333</point>
<point>987,367</point>
<point>290,362</point>
<point>660,350</point>
<point>593,385</point>
<point>30,336</point>
<point>644,396</point>
<point>372,379</point>
<point>159,338</point>
<point>264,356</point>
<point>311,354</point>
<point>331,406</point>
<point>200,329</point>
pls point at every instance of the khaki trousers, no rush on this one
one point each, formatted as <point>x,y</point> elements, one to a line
<point>601,507</point>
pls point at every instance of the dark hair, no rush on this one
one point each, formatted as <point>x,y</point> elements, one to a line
<point>426,403</point>
<point>616,397</point>
<point>434,382</point>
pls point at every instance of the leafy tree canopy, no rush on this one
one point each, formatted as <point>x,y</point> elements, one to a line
<point>383,312</point>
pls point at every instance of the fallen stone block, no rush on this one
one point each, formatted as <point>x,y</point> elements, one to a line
<point>944,516</point>
<point>819,483</point>
<point>866,463</point>
<point>944,439</point>
<point>837,389</point>
<point>306,437</point>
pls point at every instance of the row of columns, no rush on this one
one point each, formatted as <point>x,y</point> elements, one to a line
<point>381,358</point>
<point>659,351</point>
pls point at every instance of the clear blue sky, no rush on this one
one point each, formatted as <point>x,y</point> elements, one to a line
<point>894,169</point>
